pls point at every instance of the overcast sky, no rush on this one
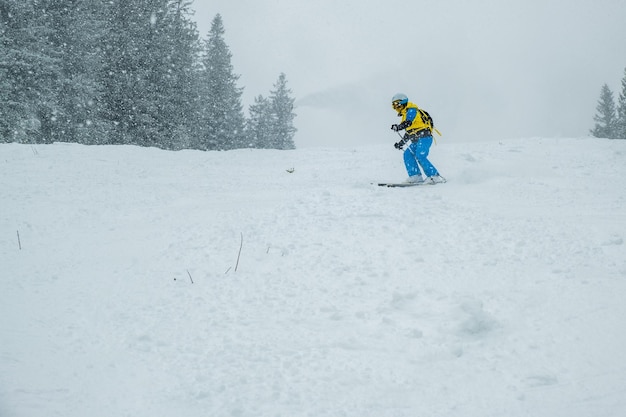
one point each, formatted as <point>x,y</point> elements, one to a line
<point>484,69</point>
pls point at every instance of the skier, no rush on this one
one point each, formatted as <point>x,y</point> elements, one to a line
<point>419,133</point>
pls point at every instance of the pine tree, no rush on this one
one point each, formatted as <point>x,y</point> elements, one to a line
<point>606,119</point>
<point>29,69</point>
<point>620,130</point>
<point>146,73</point>
<point>13,64</point>
<point>179,111</point>
<point>281,103</point>
<point>120,76</point>
<point>260,123</point>
<point>169,88</point>
<point>222,113</point>
<point>75,30</point>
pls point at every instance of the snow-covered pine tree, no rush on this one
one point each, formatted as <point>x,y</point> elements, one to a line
<point>260,123</point>
<point>281,102</point>
<point>147,72</point>
<point>606,116</point>
<point>29,70</point>
<point>176,75</point>
<point>621,111</point>
<point>13,108</point>
<point>75,31</point>
<point>123,74</point>
<point>222,113</point>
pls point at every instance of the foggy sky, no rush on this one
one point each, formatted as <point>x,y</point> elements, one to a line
<point>485,69</point>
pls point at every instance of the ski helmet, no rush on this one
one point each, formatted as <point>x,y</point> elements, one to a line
<point>399,100</point>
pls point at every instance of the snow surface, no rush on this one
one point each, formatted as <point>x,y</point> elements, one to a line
<point>500,293</point>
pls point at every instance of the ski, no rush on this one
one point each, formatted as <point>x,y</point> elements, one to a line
<point>399,184</point>
<point>393,184</point>
<point>411,184</point>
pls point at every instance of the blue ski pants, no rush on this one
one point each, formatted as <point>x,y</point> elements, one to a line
<point>416,156</point>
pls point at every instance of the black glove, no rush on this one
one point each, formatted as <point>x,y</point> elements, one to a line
<point>401,126</point>
<point>399,145</point>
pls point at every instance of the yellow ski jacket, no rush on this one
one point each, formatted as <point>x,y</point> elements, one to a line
<point>412,119</point>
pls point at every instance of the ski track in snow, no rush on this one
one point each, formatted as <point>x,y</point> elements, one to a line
<point>499,293</point>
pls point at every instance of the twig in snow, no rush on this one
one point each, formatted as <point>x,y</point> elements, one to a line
<point>191,279</point>
<point>239,254</point>
<point>19,242</point>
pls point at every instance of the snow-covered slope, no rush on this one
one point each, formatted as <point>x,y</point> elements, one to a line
<point>314,293</point>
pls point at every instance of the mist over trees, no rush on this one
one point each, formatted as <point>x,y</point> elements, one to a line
<point>611,119</point>
<point>127,72</point>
